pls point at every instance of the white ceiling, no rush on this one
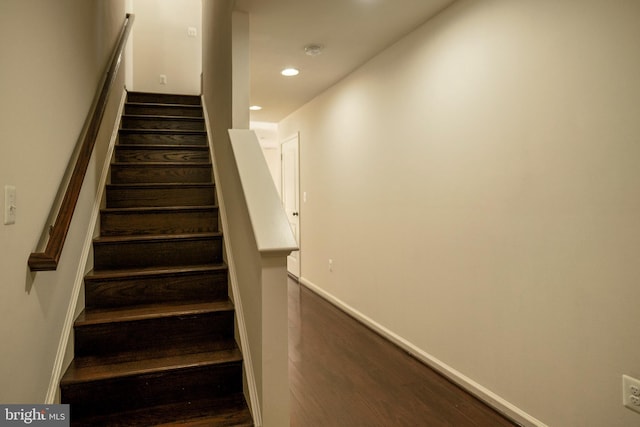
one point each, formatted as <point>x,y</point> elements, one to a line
<point>352,32</point>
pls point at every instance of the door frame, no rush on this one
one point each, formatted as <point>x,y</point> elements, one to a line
<point>296,139</point>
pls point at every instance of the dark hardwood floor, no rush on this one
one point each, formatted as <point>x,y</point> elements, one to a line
<point>343,374</point>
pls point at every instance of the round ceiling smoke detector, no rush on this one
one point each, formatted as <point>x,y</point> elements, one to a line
<point>313,49</point>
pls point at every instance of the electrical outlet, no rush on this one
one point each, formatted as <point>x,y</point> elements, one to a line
<point>163,79</point>
<point>631,393</point>
<point>330,265</point>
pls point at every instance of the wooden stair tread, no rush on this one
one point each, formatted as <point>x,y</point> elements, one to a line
<point>159,117</point>
<point>152,185</point>
<point>163,164</point>
<point>153,209</point>
<point>152,271</point>
<point>95,368</point>
<point>156,237</point>
<point>129,136</point>
<point>163,98</point>
<point>156,311</point>
<point>164,104</point>
<point>161,147</point>
<point>164,131</point>
<point>222,412</point>
<point>160,194</point>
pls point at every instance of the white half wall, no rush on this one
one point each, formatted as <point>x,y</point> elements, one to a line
<point>477,188</point>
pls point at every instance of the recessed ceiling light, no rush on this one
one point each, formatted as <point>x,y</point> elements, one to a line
<point>290,72</point>
<point>255,108</point>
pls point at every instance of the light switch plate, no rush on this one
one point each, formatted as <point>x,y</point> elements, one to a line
<point>9,204</point>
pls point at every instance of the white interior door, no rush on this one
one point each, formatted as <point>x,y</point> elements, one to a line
<point>290,195</point>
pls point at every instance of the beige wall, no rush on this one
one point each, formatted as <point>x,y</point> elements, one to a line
<point>53,55</point>
<point>267,134</point>
<point>241,66</point>
<point>161,45</point>
<point>477,187</point>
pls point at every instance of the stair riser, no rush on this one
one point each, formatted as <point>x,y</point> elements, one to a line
<point>141,173</point>
<point>166,333</point>
<point>151,138</point>
<point>157,98</point>
<point>162,110</point>
<point>103,397</point>
<point>126,154</point>
<point>111,256</point>
<point>160,222</point>
<point>186,288</point>
<point>118,197</point>
<point>142,122</point>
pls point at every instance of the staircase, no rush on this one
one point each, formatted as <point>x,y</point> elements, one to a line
<point>155,343</point>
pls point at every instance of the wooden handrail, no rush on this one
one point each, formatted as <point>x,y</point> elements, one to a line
<point>48,260</point>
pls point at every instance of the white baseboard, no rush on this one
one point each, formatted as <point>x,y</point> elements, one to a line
<point>482,393</point>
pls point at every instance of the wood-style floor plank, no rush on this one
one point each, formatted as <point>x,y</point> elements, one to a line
<point>343,374</point>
